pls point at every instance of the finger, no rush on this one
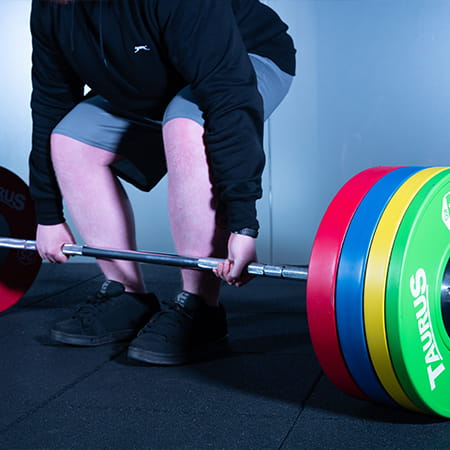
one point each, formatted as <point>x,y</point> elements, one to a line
<point>244,280</point>
<point>218,271</point>
<point>224,270</point>
<point>227,266</point>
<point>60,258</point>
<point>236,271</point>
<point>56,257</point>
<point>240,277</point>
<point>41,253</point>
<point>49,258</point>
<point>227,272</point>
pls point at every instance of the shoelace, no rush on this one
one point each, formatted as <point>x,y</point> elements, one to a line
<point>171,318</point>
<point>94,304</point>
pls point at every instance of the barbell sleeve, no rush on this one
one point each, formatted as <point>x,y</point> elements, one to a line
<point>17,244</point>
<point>258,269</point>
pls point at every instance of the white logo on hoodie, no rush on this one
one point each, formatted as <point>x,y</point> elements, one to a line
<point>138,48</point>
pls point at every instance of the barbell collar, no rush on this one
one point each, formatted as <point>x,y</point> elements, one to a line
<point>72,250</point>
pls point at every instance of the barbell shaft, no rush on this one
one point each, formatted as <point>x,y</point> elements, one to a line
<point>255,268</point>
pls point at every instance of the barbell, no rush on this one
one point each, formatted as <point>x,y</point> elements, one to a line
<point>165,259</point>
<point>377,291</point>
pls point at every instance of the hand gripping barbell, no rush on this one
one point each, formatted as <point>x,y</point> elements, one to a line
<point>378,301</point>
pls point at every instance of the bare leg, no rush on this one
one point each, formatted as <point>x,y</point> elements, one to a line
<point>192,208</point>
<point>98,204</point>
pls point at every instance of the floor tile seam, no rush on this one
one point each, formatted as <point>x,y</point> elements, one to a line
<point>256,312</point>
<point>236,346</point>
<point>272,353</point>
<point>275,315</point>
<point>185,412</point>
<point>48,297</point>
<point>300,413</point>
<point>58,394</point>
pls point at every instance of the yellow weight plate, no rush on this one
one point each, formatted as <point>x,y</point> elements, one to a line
<point>375,284</point>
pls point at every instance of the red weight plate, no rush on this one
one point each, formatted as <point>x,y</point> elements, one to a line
<point>322,272</point>
<point>18,268</point>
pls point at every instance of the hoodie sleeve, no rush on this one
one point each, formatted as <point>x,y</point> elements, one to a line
<point>205,45</point>
<point>56,90</point>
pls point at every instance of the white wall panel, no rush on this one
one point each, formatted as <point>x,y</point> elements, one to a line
<point>15,85</point>
<point>372,89</point>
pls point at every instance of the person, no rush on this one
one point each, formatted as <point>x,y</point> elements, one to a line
<point>132,89</point>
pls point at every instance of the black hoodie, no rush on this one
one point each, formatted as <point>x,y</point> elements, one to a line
<point>201,43</point>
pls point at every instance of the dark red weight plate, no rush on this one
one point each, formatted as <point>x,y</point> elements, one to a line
<point>322,272</point>
<point>18,268</point>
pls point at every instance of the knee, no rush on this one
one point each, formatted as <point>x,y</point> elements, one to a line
<point>182,138</point>
<point>66,150</point>
<point>182,127</point>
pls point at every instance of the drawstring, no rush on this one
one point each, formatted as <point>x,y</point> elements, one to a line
<point>100,28</point>
<point>72,27</point>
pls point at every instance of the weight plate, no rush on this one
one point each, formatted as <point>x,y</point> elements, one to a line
<point>375,284</point>
<point>418,339</point>
<point>18,269</point>
<point>320,288</point>
<point>350,283</point>
<point>4,231</point>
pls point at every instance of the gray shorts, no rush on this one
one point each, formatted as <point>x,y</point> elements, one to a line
<point>139,140</point>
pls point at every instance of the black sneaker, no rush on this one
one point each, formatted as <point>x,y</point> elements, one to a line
<point>112,315</point>
<point>189,330</point>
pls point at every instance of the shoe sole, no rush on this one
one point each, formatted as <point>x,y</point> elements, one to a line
<point>213,349</point>
<point>91,341</point>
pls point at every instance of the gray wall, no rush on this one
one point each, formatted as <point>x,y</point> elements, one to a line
<point>372,89</point>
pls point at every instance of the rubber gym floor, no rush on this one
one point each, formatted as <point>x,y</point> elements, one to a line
<point>267,393</point>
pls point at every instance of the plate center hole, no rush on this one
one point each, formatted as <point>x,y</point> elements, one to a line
<point>445,298</point>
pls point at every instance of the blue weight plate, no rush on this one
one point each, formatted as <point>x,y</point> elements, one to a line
<point>350,283</point>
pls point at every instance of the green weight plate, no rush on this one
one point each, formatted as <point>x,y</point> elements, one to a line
<point>418,341</point>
